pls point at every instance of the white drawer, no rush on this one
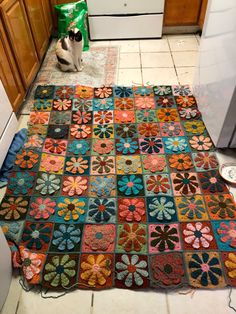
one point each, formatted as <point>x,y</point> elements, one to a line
<point>105,7</point>
<point>121,27</point>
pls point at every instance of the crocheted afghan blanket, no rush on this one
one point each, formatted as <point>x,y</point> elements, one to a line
<point>119,187</point>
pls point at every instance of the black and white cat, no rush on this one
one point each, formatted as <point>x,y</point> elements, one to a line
<point>69,51</point>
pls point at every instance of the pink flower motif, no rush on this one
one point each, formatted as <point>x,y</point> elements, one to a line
<point>227,231</point>
<point>81,117</point>
<point>197,235</point>
<point>99,237</point>
<point>52,163</point>
<point>144,103</point>
<point>32,264</point>
<point>42,208</point>
<point>154,163</point>
<point>75,185</point>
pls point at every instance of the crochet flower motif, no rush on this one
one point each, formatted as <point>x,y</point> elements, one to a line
<point>176,144</point>
<point>131,209</point>
<point>158,184</point>
<point>230,263</point>
<point>38,117</point>
<point>161,208</point>
<point>21,182</point>
<point>154,163</point>
<point>13,208</point>
<point>211,181</point>
<point>75,185</point>
<point>36,235</point>
<point>80,131</point>
<point>55,146</point>
<point>47,183</point>
<point>103,186</point>
<point>82,117</point>
<point>185,101</point>
<point>164,238</point>
<point>103,131</point>
<point>102,117</point>
<point>42,208</point>
<point>103,92</point>
<point>162,90</point>
<point>165,101</point>
<point>227,232</point>
<point>103,104</point>
<point>151,145</point>
<point>51,163</point>
<point>104,146</point>
<point>103,164</point>
<point>146,116</point>
<point>127,146</point>
<point>201,142</point>
<point>124,103</point>
<point>31,264</point>
<point>83,92</point>
<point>76,165</point>
<point>129,164</point>
<point>79,147</point>
<point>64,92</point>
<point>143,91</point>
<point>188,113</point>
<point>99,237</point>
<point>206,161</point>
<point>101,210</point>
<point>33,141</point>
<point>26,159</point>
<point>222,205</point>
<point>144,103</point>
<point>185,183</point>
<point>62,104</point>
<point>59,270</point>
<point>126,130</point>
<point>132,237</point>
<point>71,209</point>
<point>171,129</point>
<point>131,269</point>
<point>167,115</point>
<point>205,268</point>
<point>66,237</point>
<point>148,129</point>
<point>167,269</point>
<point>197,235</point>
<point>124,116</point>
<point>191,208</point>
<point>181,162</point>
<point>130,185</point>
<point>195,127</point>
<point>95,270</point>
<point>121,91</point>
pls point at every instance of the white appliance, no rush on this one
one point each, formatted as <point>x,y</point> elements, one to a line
<point>8,124</point>
<point>125,19</point>
<point>215,80</point>
<point>8,127</point>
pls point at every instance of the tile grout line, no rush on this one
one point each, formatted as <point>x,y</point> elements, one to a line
<point>167,302</point>
<point>173,62</point>
<point>140,60</point>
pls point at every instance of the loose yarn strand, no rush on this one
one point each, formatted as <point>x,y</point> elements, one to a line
<point>230,300</point>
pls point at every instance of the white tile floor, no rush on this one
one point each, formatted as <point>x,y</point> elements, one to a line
<point>171,60</point>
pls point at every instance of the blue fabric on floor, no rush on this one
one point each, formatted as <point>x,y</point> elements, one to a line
<point>16,145</point>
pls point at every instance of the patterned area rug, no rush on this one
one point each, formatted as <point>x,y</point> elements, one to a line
<point>119,187</point>
<point>100,68</point>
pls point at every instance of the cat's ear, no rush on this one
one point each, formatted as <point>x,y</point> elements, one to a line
<point>78,36</point>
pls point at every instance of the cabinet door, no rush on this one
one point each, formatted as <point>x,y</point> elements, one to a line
<point>181,12</point>
<point>34,9</point>
<point>20,38</point>
<point>9,74</point>
<point>47,16</point>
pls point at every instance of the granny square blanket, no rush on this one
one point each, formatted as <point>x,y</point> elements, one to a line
<point>119,187</point>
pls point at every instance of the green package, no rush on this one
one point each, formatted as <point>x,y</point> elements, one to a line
<point>73,15</point>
